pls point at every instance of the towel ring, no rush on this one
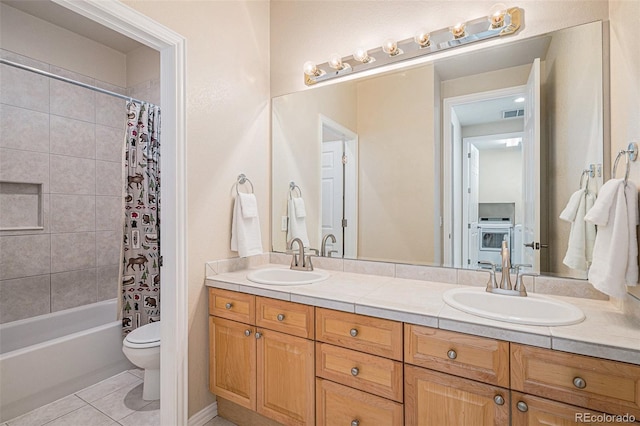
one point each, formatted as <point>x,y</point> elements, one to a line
<point>630,154</point>
<point>292,188</point>
<point>242,179</point>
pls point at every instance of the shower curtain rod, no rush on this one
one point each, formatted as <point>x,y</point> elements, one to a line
<point>70,81</point>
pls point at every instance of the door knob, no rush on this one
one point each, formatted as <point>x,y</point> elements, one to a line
<point>530,245</point>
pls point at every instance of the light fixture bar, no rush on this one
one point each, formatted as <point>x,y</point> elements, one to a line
<point>476,30</point>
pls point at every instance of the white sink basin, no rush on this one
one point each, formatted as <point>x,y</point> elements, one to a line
<point>531,310</point>
<point>282,276</point>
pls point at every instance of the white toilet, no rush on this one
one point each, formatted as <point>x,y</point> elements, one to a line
<point>142,347</point>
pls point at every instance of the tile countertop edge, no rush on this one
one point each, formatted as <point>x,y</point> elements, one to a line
<point>545,339</point>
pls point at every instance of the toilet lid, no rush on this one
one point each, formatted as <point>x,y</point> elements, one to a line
<point>149,333</point>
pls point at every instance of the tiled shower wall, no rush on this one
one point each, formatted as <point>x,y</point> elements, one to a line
<point>70,140</point>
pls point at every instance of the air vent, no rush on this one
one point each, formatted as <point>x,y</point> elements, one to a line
<point>513,113</point>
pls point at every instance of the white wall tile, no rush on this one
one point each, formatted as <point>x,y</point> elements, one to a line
<point>24,256</point>
<point>68,100</point>
<point>74,251</point>
<point>111,111</point>
<point>109,213</point>
<point>24,129</point>
<point>73,213</point>
<point>71,175</point>
<point>24,89</point>
<point>24,166</point>
<point>108,247</point>
<point>71,137</point>
<point>109,178</point>
<point>24,298</point>
<point>109,143</point>
<point>74,288</point>
<point>107,281</point>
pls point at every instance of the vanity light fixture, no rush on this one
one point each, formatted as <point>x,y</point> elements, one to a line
<point>503,21</point>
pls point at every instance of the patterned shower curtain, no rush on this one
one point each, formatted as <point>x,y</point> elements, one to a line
<point>141,246</point>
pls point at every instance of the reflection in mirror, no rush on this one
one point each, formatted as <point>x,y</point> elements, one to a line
<point>436,163</point>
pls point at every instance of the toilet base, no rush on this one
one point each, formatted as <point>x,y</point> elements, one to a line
<point>151,386</point>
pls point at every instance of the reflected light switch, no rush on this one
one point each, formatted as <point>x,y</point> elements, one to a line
<point>283,223</point>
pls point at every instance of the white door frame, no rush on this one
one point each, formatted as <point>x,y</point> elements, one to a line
<point>451,169</point>
<point>173,304</point>
<point>351,184</point>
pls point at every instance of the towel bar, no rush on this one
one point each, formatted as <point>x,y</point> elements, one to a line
<point>631,153</point>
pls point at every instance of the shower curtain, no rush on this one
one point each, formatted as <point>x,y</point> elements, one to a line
<point>140,277</point>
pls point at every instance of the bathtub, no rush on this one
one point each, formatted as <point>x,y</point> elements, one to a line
<point>48,357</point>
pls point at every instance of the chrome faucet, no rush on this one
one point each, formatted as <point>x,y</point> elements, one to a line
<point>323,247</point>
<point>505,286</point>
<point>299,261</point>
<point>505,255</point>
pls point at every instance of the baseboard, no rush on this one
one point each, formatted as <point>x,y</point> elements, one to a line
<point>203,416</point>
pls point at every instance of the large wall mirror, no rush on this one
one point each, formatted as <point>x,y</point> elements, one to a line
<point>438,163</point>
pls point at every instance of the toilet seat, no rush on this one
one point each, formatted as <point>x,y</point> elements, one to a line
<point>147,336</point>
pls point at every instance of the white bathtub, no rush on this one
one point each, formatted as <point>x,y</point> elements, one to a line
<point>51,356</point>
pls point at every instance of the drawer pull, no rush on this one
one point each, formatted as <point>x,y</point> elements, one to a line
<point>353,332</point>
<point>258,335</point>
<point>280,317</point>
<point>355,422</point>
<point>579,383</point>
<point>355,371</point>
<point>498,399</point>
<point>247,333</point>
<point>522,406</point>
<point>452,354</point>
<point>228,306</point>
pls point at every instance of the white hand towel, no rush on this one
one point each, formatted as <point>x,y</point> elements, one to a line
<point>582,235</point>
<point>298,205</point>
<point>297,225</point>
<point>246,238</point>
<point>615,261</point>
<point>248,205</point>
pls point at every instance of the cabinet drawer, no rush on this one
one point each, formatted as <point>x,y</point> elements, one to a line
<point>367,334</point>
<point>232,305</point>
<point>473,357</point>
<point>433,398</point>
<point>530,410</point>
<point>340,405</point>
<point>609,386</point>
<point>288,317</point>
<point>370,373</point>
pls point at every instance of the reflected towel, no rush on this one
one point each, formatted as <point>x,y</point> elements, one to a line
<point>297,225</point>
<point>615,252</point>
<point>298,205</point>
<point>246,238</point>
<point>582,235</point>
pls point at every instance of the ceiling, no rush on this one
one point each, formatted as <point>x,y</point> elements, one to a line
<point>487,111</point>
<point>65,18</point>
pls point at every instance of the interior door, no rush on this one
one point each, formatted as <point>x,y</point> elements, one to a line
<point>531,169</point>
<point>332,193</point>
<point>472,181</point>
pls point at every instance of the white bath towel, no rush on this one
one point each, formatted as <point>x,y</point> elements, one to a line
<point>248,205</point>
<point>297,225</point>
<point>583,234</point>
<point>615,252</point>
<point>245,231</point>
<point>298,205</point>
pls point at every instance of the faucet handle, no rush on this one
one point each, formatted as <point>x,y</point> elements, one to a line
<point>492,283</point>
<point>331,252</point>
<point>315,252</point>
<point>519,287</point>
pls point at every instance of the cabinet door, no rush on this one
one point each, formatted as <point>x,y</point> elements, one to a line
<point>285,378</point>
<point>232,361</point>
<point>527,410</point>
<point>433,398</point>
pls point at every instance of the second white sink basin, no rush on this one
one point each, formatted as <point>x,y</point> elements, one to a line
<point>531,310</point>
<point>282,276</point>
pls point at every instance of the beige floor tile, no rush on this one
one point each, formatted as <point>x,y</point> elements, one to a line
<point>149,416</point>
<point>84,416</point>
<point>123,402</point>
<point>49,412</point>
<point>108,386</point>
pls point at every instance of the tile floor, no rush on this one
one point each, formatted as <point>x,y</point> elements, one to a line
<point>116,401</point>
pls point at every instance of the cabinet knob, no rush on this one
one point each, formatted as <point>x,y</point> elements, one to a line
<point>280,317</point>
<point>355,422</point>
<point>228,306</point>
<point>247,333</point>
<point>355,371</point>
<point>452,354</point>
<point>258,335</point>
<point>353,332</point>
<point>522,406</point>
<point>579,382</point>
<point>498,399</point>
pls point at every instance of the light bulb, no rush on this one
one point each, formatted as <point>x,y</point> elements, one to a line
<point>310,69</point>
<point>390,47</point>
<point>361,55</point>
<point>335,62</point>
<point>422,38</point>
<point>459,29</point>
<point>496,15</point>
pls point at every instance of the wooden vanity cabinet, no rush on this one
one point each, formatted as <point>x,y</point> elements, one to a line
<point>529,410</point>
<point>259,368</point>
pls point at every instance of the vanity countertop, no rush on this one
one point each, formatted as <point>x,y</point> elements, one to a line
<point>606,332</point>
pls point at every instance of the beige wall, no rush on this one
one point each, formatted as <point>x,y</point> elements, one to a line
<point>227,134</point>
<point>396,174</point>
<point>36,38</point>
<point>296,145</point>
